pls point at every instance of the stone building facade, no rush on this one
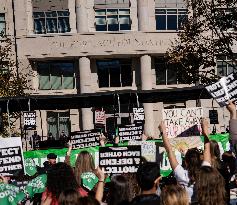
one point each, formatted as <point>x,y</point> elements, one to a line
<point>92,46</point>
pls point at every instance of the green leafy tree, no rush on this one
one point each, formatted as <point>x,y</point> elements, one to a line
<point>209,31</point>
<point>12,83</point>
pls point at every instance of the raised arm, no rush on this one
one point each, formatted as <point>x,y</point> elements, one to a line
<point>67,157</point>
<point>100,187</point>
<point>233,122</point>
<point>205,132</point>
<point>173,161</point>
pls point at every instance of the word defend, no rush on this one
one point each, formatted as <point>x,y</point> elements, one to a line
<point>118,160</point>
<point>30,120</point>
<point>224,89</point>
<point>11,156</point>
<point>130,132</point>
<point>183,122</point>
<point>83,139</point>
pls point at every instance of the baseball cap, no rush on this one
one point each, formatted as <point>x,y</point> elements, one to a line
<point>52,156</point>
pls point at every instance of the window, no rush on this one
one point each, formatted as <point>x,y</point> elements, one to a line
<point>225,65</point>
<point>114,73</point>
<point>56,75</point>
<point>2,24</point>
<point>51,22</point>
<point>165,73</point>
<point>112,19</point>
<point>170,19</point>
<point>58,122</point>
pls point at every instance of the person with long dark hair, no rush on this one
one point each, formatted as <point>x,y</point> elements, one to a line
<point>60,178</point>
<point>119,191</point>
<point>69,197</point>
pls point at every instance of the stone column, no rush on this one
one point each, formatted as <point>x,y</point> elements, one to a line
<point>30,19</point>
<point>146,15</point>
<point>85,83</point>
<point>72,18</point>
<point>146,82</point>
<point>82,17</point>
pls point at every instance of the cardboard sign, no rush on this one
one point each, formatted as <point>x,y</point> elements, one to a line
<point>118,160</point>
<point>30,120</point>
<point>83,139</point>
<point>100,117</point>
<point>11,156</point>
<point>138,115</point>
<point>130,132</point>
<point>183,122</point>
<point>185,143</point>
<point>148,149</point>
<point>225,89</point>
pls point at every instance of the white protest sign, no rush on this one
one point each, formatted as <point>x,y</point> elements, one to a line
<point>183,122</point>
<point>11,156</point>
<point>99,117</point>
<point>148,149</point>
<point>225,89</point>
<point>138,114</point>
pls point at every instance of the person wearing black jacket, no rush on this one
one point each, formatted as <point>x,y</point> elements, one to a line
<point>148,178</point>
<point>51,162</point>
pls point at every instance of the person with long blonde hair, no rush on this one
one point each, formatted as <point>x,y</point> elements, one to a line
<point>174,195</point>
<point>84,163</point>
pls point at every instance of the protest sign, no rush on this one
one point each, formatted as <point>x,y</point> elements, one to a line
<point>138,115</point>
<point>36,185</point>
<point>130,132</point>
<point>100,117</point>
<point>119,160</point>
<point>183,122</point>
<point>87,138</point>
<point>11,156</point>
<point>29,120</point>
<point>185,143</point>
<point>30,167</point>
<point>224,89</point>
<point>148,149</point>
<point>89,180</point>
<point>10,194</point>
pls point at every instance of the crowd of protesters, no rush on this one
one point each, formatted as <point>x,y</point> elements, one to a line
<point>204,178</point>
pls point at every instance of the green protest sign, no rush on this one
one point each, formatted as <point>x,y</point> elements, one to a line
<point>30,167</point>
<point>89,180</point>
<point>10,194</point>
<point>36,185</point>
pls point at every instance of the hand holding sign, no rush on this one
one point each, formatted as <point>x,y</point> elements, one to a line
<point>3,180</point>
